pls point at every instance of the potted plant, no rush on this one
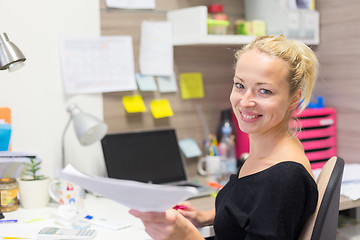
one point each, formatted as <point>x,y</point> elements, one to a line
<point>33,187</point>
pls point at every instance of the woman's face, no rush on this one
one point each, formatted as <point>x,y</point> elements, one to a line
<point>260,95</point>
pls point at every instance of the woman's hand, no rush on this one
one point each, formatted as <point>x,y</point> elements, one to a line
<point>198,218</point>
<point>169,225</point>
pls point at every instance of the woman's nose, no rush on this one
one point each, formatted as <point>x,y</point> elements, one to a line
<point>248,100</point>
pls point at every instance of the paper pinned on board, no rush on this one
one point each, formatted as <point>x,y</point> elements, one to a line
<point>97,64</point>
<point>156,49</point>
<point>132,194</point>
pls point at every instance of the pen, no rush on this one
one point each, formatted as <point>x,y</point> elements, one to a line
<point>216,185</point>
<point>9,221</point>
<point>182,207</point>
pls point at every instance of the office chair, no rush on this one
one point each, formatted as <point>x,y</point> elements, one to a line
<point>322,225</point>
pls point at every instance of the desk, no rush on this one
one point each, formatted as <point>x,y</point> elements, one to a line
<point>97,206</point>
<point>105,208</point>
<point>347,203</point>
<point>102,207</point>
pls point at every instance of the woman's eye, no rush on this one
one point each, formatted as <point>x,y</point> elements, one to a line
<point>239,85</point>
<point>265,91</point>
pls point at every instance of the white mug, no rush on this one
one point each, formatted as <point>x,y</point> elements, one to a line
<point>67,193</point>
<point>212,166</point>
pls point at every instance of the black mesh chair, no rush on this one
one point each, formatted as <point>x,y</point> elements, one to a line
<point>322,225</point>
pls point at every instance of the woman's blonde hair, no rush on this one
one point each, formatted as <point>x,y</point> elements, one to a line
<point>302,61</point>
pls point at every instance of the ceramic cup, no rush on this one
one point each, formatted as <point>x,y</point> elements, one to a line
<point>209,166</point>
<point>67,194</point>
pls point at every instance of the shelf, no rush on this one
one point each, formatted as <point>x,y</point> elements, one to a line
<point>212,40</point>
<point>217,40</point>
<point>190,28</point>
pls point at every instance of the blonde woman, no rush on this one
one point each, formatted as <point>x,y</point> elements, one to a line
<point>274,192</point>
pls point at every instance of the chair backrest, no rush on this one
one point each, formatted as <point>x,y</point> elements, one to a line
<point>322,225</point>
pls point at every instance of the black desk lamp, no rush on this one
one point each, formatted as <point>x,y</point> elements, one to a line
<point>11,58</point>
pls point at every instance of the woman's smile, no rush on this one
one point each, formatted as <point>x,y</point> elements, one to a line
<point>249,117</point>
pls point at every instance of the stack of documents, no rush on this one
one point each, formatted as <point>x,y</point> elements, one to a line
<point>350,186</point>
<point>132,194</point>
<point>11,163</point>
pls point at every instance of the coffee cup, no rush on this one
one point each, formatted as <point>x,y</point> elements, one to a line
<point>209,166</point>
<point>67,194</point>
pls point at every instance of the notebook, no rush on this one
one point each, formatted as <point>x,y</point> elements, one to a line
<point>147,156</point>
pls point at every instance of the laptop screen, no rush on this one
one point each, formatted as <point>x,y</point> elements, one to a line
<point>145,156</point>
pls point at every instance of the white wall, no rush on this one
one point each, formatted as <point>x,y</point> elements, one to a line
<point>35,92</point>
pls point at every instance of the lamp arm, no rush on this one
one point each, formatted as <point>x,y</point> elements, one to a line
<point>63,144</point>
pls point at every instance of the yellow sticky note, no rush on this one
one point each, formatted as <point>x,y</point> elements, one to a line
<point>161,108</point>
<point>134,104</point>
<point>191,85</point>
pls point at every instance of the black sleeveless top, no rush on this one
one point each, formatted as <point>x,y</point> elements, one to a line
<point>271,204</point>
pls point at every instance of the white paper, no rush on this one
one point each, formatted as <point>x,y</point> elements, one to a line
<point>351,190</point>
<point>131,4</point>
<point>132,194</point>
<point>97,64</point>
<point>24,230</point>
<point>156,49</point>
<point>351,173</point>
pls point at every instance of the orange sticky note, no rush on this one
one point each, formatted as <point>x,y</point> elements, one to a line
<point>161,108</point>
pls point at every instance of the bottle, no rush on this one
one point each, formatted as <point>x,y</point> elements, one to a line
<point>216,11</point>
<point>225,116</point>
<point>227,153</point>
<point>217,19</point>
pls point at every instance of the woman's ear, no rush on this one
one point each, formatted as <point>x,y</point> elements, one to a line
<point>295,100</point>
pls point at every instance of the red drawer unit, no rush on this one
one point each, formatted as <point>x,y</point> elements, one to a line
<point>318,134</point>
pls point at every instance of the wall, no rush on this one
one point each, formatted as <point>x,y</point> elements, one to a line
<point>339,56</point>
<point>35,93</point>
<point>215,63</point>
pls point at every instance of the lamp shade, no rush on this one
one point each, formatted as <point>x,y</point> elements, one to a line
<point>11,57</point>
<point>88,128</point>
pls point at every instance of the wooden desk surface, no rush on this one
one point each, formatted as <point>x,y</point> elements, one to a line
<point>347,203</point>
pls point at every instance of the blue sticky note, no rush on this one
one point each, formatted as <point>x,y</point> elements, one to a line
<point>167,83</point>
<point>146,82</point>
<point>190,148</point>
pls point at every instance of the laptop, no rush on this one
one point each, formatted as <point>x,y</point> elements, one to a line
<point>148,156</point>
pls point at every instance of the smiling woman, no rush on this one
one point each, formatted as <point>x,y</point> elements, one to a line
<point>274,192</point>
<point>260,96</point>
